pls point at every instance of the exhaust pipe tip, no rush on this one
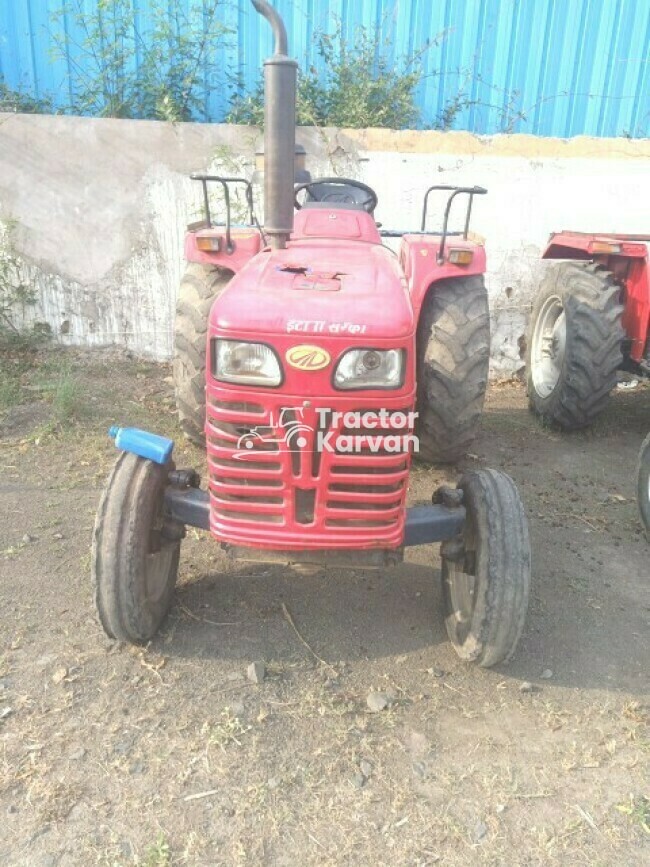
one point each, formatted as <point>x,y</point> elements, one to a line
<point>279,30</point>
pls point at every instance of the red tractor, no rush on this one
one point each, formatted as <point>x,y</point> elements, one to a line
<point>590,319</point>
<point>312,362</point>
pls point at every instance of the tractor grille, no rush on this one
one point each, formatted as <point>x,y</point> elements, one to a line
<point>270,486</point>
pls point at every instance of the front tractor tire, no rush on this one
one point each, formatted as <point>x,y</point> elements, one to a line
<point>200,286</point>
<point>453,353</point>
<point>486,571</point>
<point>574,344</point>
<point>135,551</point>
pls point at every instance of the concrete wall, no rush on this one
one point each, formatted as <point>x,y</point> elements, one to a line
<point>100,206</point>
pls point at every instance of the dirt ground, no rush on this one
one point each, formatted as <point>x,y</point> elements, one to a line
<point>169,755</point>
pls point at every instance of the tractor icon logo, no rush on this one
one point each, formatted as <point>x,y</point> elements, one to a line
<point>307,357</point>
<point>286,433</point>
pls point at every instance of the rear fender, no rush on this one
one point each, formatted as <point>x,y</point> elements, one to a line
<point>584,246</point>
<point>634,275</point>
<point>419,259</point>
<point>245,243</point>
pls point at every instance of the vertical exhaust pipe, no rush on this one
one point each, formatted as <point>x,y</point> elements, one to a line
<point>280,74</point>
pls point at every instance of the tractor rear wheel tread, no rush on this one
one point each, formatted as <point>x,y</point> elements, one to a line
<point>133,583</point>
<point>496,532</point>
<point>200,286</point>
<point>194,314</point>
<point>593,351</point>
<point>453,347</point>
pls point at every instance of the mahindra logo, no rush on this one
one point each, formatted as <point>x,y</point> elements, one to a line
<point>307,357</point>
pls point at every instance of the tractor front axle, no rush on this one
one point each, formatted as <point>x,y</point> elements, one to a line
<point>425,524</point>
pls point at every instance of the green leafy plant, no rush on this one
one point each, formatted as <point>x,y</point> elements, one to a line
<point>637,809</point>
<point>67,398</point>
<point>122,67</point>
<point>9,389</point>
<point>228,730</point>
<point>21,101</point>
<point>163,66</point>
<point>357,83</point>
<point>162,63</point>
<point>158,854</point>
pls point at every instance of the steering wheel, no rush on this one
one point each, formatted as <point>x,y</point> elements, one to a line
<point>321,190</point>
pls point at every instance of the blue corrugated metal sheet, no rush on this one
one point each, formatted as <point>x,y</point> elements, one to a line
<point>548,67</point>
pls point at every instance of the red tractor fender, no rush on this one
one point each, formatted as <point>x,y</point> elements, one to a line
<point>419,258</point>
<point>586,246</point>
<point>244,244</point>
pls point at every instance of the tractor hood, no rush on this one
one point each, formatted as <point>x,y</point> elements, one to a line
<point>317,287</point>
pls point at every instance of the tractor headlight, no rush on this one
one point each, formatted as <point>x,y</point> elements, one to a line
<point>370,368</point>
<point>245,363</point>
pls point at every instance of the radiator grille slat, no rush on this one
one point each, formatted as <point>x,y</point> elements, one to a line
<point>328,495</point>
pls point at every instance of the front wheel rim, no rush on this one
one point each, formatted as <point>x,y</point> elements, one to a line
<point>548,346</point>
<point>462,585</point>
<point>158,560</point>
<point>156,573</point>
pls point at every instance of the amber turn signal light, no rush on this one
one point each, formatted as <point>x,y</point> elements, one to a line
<point>208,243</point>
<point>605,247</point>
<point>460,257</point>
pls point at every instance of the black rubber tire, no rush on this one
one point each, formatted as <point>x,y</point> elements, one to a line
<point>126,535</point>
<point>594,337</point>
<point>199,288</point>
<point>643,484</point>
<point>495,549</point>
<point>453,354</point>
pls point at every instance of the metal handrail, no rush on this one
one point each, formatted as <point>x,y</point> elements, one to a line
<point>197,176</point>
<point>455,191</point>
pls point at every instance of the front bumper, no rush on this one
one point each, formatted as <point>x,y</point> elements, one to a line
<point>423,525</point>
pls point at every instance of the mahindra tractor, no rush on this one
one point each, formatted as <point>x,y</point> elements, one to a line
<point>313,362</point>
<point>590,319</point>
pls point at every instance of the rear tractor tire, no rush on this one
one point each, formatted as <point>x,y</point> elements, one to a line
<point>574,344</point>
<point>453,352</point>
<point>200,286</point>
<point>643,484</point>
<point>135,551</point>
<point>486,571</point>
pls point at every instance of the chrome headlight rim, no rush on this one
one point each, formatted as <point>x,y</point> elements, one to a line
<point>237,382</point>
<point>402,373</point>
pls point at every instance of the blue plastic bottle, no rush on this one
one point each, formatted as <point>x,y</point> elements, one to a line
<point>142,443</point>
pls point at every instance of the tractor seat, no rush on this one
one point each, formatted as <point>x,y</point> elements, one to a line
<point>339,195</point>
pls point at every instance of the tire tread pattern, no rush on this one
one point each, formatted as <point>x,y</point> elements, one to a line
<point>453,347</point>
<point>593,315</point>
<point>119,548</point>
<point>504,566</point>
<point>200,286</point>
